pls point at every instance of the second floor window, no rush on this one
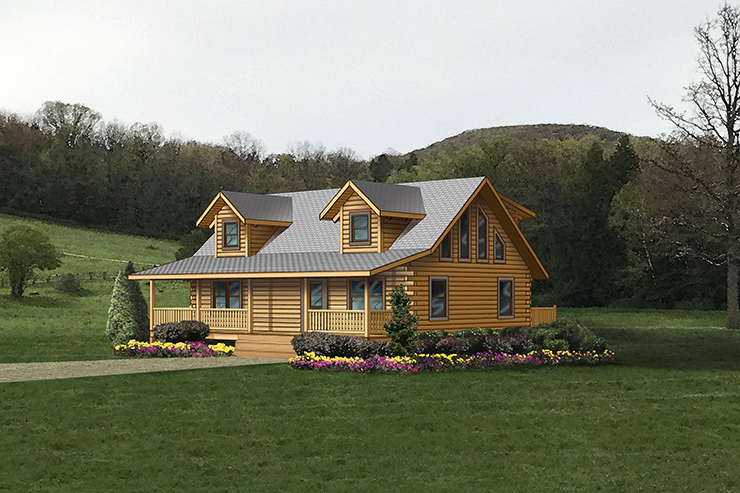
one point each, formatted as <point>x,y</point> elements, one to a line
<point>464,236</point>
<point>231,235</point>
<point>482,236</point>
<point>499,248</point>
<point>445,250</point>
<point>360,226</point>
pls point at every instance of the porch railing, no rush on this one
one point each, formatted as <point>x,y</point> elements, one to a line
<point>223,318</point>
<point>541,315</point>
<point>347,321</point>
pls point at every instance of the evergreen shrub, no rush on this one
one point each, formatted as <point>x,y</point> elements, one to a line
<point>403,324</point>
<point>128,315</point>
<point>336,345</point>
<point>184,331</point>
<point>565,334</point>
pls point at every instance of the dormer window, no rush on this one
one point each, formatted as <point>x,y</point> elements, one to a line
<point>360,228</point>
<point>231,235</point>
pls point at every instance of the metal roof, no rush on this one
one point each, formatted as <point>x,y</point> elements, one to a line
<point>312,245</point>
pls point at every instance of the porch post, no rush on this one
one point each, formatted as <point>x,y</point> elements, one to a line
<point>197,300</point>
<point>151,310</point>
<point>367,308</point>
<point>249,302</point>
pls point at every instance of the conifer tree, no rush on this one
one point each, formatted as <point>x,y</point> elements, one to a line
<point>402,326</point>
<point>128,316</point>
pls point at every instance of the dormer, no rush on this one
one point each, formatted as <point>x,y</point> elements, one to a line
<point>373,215</point>
<point>243,223</point>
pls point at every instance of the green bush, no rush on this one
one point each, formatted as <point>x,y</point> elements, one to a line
<point>70,283</point>
<point>473,341</point>
<point>402,326</point>
<point>184,331</point>
<point>128,316</point>
<point>564,334</point>
<point>336,345</point>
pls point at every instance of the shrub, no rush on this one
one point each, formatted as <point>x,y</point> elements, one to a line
<point>564,334</point>
<point>128,316</point>
<point>336,345</point>
<point>187,330</point>
<point>70,283</point>
<point>474,341</point>
<point>402,327</point>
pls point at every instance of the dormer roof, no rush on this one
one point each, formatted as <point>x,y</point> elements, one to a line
<point>271,210</point>
<point>385,199</point>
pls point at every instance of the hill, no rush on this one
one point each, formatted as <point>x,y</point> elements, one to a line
<point>522,132</point>
<point>88,250</point>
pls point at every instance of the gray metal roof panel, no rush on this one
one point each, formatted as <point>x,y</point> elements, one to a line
<point>281,263</point>
<point>262,207</point>
<point>393,197</point>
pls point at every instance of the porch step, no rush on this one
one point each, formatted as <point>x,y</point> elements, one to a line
<point>265,345</point>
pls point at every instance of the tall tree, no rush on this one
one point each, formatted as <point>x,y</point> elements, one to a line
<point>703,153</point>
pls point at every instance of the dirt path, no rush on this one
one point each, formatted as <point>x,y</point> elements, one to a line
<point>24,372</point>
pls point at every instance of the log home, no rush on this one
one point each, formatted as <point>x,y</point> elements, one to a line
<point>326,260</point>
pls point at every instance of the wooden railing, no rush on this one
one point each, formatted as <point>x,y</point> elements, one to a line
<point>541,315</point>
<point>347,321</point>
<point>223,318</point>
<point>165,315</point>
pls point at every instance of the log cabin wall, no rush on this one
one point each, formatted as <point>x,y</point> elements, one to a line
<point>276,305</point>
<point>259,234</point>
<point>227,215</point>
<point>472,285</point>
<point>392,227</point>
<point>352,205</point>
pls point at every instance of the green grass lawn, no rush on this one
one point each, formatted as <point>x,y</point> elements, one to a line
<point>662,418</point>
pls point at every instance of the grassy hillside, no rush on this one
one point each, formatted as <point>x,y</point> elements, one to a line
<point>51,325</point>
<point>88,250</point>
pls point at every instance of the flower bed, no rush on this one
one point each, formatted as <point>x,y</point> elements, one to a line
<point>172,350</point>
<point>441,362</point>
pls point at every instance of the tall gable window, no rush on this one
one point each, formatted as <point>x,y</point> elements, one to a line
<point>482,236</point>
<point>360,228</point>
<point>499,248</point>
<point>505,298</point>
<point>445,248</point>
<point>438,294</point>
<point>464,236</point>
<point>226,294</point>
<point>231,235</point>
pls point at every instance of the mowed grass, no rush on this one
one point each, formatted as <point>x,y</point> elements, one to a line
<point>662,418</point>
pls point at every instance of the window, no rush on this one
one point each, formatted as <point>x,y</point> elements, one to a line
<point>506,298</point>
<point>464,236</point>
<point>360,228</point>
<point>445,252</point>
<point>231,235</point>
<point>316,295</point>
<point>226,294</point>
<point>438,298</point>
<point>499,254</point>
<point>357,294</point>
<point>482,235</point>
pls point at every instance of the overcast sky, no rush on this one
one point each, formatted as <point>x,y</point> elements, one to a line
<point>368,75</point>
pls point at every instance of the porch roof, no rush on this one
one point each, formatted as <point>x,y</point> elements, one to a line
<point>305,264</point>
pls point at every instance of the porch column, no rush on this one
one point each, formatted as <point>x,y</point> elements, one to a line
<point>367,308</point>
<point>197,300</point>
<point>250,305</point>
<point>151,310</point>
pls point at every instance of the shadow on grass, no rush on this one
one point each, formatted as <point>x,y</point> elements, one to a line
<point>675,349</point>
<point>28,299</point>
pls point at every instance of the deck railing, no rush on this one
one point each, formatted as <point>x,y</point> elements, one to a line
<point>347,321</point>
<point>541,315</point>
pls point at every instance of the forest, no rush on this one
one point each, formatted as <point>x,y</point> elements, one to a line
<point>612,229</point>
